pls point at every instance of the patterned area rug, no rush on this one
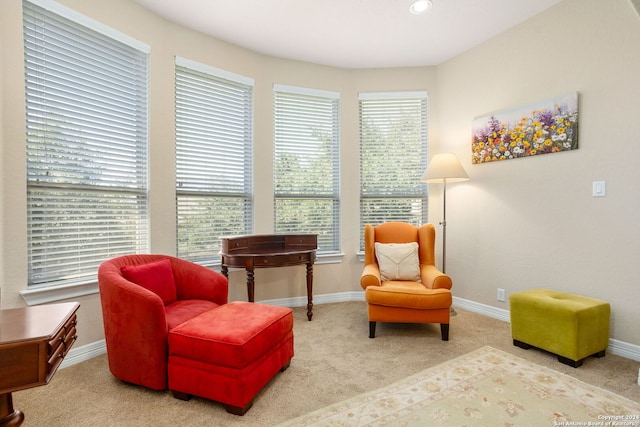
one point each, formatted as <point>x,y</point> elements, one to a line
<point>486,387</point>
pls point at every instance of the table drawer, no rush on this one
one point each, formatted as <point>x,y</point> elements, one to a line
<point>302,242</point>
<point>33,343</point>
<point>61,343</point>
<point>281,260</point>
<point>236,245</point>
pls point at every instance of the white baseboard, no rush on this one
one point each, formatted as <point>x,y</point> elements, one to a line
<point>617,347</point>
<point>83,353</point>
<point>487,310</point>
<point>624,349</point>
<point>317,299</point>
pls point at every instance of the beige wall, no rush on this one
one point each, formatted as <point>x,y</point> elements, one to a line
<point>168,40</point>
<point>517,224</point>
<point>12,155</point>
<point>526,223</point>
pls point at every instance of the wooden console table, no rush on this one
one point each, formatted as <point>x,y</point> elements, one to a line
<point>33,342</point>
<point>270,250</point>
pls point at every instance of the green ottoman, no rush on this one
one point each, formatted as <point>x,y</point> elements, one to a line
<point>571,326</point>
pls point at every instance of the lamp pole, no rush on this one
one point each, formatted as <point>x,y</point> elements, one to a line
<point>443,168</point>
<point>444,225</point>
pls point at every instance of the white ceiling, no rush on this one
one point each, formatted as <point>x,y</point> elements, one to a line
<point>351,33</point>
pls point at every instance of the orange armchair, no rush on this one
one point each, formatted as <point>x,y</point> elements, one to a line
<point>400,279</point>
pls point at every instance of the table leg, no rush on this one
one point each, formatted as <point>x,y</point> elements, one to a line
<point>8,416</point>
<point>250,284</point>
<point>309,290</point>
<point>225,271</point>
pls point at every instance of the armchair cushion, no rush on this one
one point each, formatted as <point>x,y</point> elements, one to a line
<point>180,311</point>
<point>398,261</point>
<point>155,276</point>
<point>408,295</point>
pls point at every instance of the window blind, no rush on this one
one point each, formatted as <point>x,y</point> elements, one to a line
<point>214,158</point>
<point>86,110</point>
<point>306,164</point>
<point>393,157</point>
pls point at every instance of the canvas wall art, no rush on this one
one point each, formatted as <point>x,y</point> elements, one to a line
<point>547,127</point>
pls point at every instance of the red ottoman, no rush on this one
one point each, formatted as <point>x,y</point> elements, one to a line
<point>229,353</point>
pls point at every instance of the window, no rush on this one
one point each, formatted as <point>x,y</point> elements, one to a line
<point>214,141</point>
<point>306,164</point>
<point>86,109</point>
<point>393,157</point>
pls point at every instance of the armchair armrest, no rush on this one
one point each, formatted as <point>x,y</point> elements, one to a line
<point>370,276</point>
<point>194,281</point>
<point>433,278</point>
<point>135,329</point>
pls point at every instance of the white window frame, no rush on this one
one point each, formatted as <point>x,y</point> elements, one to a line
<point>214,159</point>
<point>71,149</point>
<point>402,146</point>
<point>300,114</point>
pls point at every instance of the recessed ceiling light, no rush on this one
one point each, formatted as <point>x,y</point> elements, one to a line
<point>420,6</point>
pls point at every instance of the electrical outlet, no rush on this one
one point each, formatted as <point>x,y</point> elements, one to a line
<point>501,296</point>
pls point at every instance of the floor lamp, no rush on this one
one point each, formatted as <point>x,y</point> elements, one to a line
<point>444,168</point>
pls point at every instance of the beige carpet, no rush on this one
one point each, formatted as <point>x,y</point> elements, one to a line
<point>334,361</point>
<point>486,387</point>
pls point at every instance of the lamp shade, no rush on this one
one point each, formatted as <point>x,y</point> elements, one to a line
<point>444,167</point>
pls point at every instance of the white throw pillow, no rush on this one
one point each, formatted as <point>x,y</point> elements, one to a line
<point>398,261</point>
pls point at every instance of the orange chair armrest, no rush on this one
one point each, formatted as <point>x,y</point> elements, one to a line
<point>370,276</point>
<point>433,278</point>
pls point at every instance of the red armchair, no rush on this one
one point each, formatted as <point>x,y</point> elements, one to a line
<point>138,316</point>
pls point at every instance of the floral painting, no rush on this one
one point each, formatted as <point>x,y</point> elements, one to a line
<point>548,127</point>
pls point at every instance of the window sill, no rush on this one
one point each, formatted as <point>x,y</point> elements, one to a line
<point>332,258</point>
<point>61,292</point>
<point>56,293</point>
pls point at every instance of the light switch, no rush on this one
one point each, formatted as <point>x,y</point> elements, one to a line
<point>599,189</point>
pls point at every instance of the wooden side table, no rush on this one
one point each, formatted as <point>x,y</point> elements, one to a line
<point>270,250</point>
<point>33,342</point>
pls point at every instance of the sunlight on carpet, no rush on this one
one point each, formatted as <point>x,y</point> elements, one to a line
<point>485,387</point>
